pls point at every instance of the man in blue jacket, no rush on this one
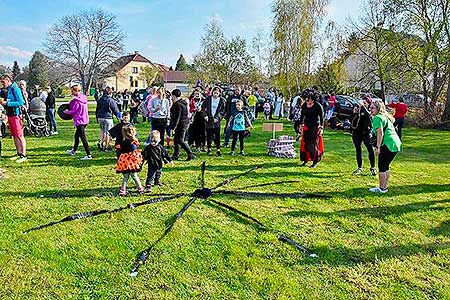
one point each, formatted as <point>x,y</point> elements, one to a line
<point>13,103</point>
<point>106,108</point>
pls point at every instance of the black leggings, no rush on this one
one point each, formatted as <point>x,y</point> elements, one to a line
<point>385,158</point>
<point>241,140</point>
<point>80,132</point>
<point>358,139</point>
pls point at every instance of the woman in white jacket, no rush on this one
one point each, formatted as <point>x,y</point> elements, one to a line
<point>279,106</point>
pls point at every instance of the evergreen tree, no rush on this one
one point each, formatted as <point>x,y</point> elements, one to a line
<point>38,70</point>
<point>16,69</point>
<point>182,64</point>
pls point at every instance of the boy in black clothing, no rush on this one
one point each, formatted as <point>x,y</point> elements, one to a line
<point>156,155</point>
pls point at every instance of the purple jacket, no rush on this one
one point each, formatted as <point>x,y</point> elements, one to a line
<point>79,110</point>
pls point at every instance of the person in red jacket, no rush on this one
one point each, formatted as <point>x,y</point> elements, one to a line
<point>400,112</point>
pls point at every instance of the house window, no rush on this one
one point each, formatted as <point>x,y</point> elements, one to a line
<point>136,83</point>
<point>131,81</point>
<point>135,70</point>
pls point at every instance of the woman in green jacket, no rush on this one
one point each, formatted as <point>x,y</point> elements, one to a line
<point>388,143</point>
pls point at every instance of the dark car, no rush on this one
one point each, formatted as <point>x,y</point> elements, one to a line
<point>344,106</point>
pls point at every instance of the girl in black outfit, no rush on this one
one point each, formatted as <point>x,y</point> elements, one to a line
<point>361,129</point>
<point>311,146</point>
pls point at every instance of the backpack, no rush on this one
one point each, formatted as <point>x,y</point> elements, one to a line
<point>143,109</point>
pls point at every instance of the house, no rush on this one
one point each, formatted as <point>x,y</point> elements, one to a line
<point>175,80</point>
<point>125,72</point>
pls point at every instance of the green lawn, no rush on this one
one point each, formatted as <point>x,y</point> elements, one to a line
<point>392,246</point>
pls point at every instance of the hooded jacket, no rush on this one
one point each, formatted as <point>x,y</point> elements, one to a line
<point>14,100</point>
<point>106,107</point>
<point>79,110</point>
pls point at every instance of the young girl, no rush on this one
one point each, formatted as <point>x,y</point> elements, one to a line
<point>267,109</point>
<point>239,121</point>
<point>116,131</point>
<point>130,159</point>
<point>155,154</point>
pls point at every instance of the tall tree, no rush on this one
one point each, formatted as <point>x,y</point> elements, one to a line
<point>148,74</point>
<point>16,69</point>
<point>38,70</point>
<point>428,19</point>
<point>296,24</point>
<point>182,65</point>
<point>222,59</point>
<point>86,43</point>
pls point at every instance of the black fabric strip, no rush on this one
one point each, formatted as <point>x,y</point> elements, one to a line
<point>227,181</point>
<point>280,235</point>
<point>84,215</point>
<point>143,256</point>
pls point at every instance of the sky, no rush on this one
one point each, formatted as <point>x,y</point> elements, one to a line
<point>160,30</point>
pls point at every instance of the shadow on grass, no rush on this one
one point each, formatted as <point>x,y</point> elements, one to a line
<point>94,192</point>
<point>442,229</point>
<point>380,212</point>
<point>343,256</point>
<point>394,190</point>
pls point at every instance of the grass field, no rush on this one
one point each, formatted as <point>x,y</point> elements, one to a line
<point>392,246</point>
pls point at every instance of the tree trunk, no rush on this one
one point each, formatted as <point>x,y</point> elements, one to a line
<point>446,115</point>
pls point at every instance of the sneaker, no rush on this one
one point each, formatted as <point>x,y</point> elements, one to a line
<point>15,157</point>
<point>378,190</point>
<point>224,145</point>
<point>232,153</point>
<point>148,189</point>
<point>109,149</point>
<point>70,152</point>
<point>218,153</point>
<point>55,133</point>
<point>122,192</point>
<point>141,190</point>
<point>21,159</point>
<point>190,157</point>
<point>373,171</point>
<point>304,164</point>
<point>314,165</point>
<point>357,171</point>
<point>87,157</point>
<point>209,152</point>
<point>242,153</point>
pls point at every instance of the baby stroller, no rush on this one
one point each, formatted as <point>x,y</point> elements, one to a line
<point>36,118</point>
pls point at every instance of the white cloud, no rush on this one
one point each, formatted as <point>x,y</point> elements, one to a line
<point>14,52</point>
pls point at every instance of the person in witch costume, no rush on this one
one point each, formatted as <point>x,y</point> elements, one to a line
<point>311,120</point>
<point>116,131</point>
<point>130,159</point>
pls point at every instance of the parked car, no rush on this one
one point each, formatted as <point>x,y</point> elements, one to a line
<point>344,106</point>
<point>412,100</point>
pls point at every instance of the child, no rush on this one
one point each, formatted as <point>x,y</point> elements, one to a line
<point>267,109</point>
<point>130,159</point>
<point>239,121</point>
<point>116,131</point>
<point>155,155</point>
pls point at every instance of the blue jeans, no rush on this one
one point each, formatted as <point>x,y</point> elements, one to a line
<point>51,116</point>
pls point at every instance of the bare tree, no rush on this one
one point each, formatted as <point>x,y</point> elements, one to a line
<point>296,24</point>
<point>86,43</point>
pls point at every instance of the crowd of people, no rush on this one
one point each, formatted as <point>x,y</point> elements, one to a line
<point>207,116</point>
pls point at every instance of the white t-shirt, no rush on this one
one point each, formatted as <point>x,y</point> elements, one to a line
<point>214,105</point>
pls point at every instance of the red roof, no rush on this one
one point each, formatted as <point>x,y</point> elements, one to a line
<point>174,76</point>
